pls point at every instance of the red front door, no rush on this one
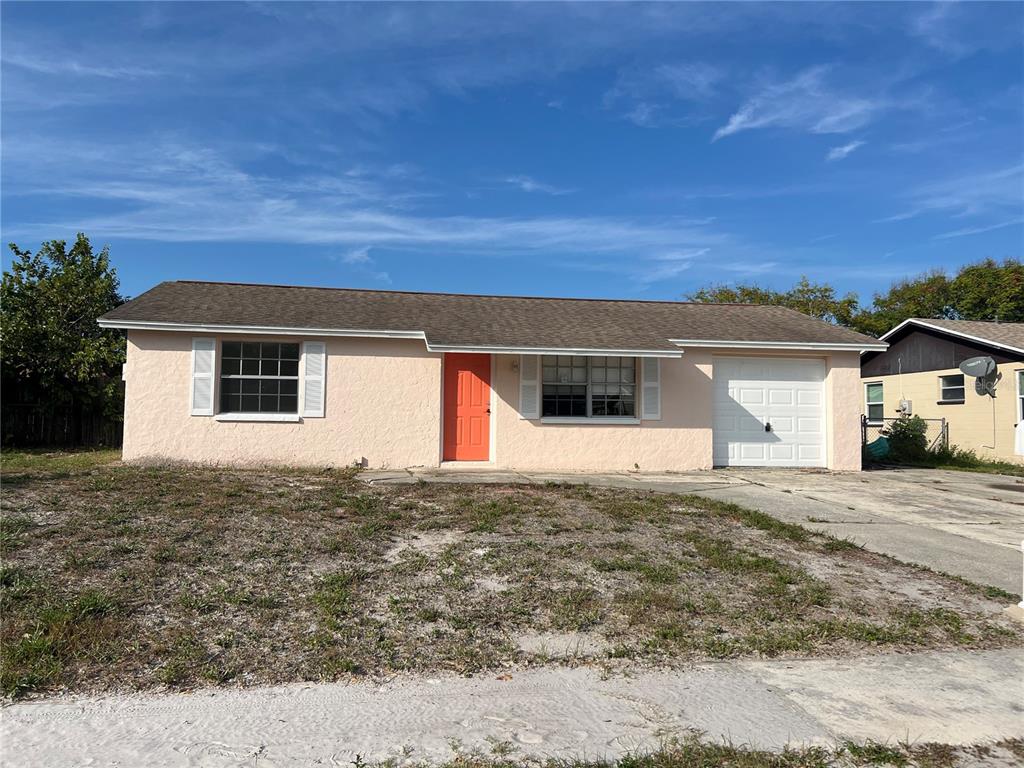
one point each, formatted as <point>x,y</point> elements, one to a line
<point>467,407</point>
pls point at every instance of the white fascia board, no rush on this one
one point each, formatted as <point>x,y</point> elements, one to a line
<point>819,346</point>
<point>554,351</point>
<point>145,325</point>
<point>148,325</point>
<point>942,329</point>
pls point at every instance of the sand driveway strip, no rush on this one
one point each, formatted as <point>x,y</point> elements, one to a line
<point>955,697</point>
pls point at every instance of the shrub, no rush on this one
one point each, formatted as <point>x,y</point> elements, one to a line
<point>908,439</point>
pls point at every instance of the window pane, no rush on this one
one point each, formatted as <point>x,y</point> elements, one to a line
<point>289,387</point>
<point>250,349</point>
<point>251,403</point>
<point>230,367</point>
<point>232,349</point>
<point>289,351</point>
<point>268,367</point>
<point>874,393</point>
<point>289,404</point>
<point>289,367</point>
<point>270,351</point>
<point>875,412</point>
<point>250,367</point>
<point>268,404</point>
<point>268,387</point>
<point>250,386</point>
<point>953,393</point>
<point>563,400</point>
<point>231,386</point>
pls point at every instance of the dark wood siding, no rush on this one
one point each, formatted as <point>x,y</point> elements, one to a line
<point>924,350</point>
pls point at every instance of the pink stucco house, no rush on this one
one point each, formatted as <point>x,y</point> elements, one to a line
<point>245,374</point>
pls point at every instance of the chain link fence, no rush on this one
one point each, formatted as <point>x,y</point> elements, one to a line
<point>937,434</point>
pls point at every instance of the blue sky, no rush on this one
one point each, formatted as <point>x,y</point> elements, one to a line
<point>579,150</point>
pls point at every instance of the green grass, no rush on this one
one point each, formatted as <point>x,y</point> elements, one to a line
<point>131,577</point>
<point>964,460</point>
<point>693,752</point>
<point>46,460</point>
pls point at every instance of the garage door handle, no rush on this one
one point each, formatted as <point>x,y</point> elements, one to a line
<point>768,426</point>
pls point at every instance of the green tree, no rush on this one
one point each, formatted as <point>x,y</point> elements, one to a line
<point>989,290</point>
<point>985,290</point>
<point>815,299</point>
<point>50,343</point>
<point>927,295</point>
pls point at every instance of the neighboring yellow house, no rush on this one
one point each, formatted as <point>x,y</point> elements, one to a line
<point>920,371</point>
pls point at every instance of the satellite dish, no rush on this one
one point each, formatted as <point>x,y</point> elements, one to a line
<point>983,369</point>
<point>978,367</point>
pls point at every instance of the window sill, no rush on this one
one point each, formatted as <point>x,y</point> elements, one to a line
<point>289,417</point>
<point>949,402</point>
<point>593,420</point>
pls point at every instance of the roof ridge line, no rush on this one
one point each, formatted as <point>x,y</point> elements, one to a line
<point>485,295</point>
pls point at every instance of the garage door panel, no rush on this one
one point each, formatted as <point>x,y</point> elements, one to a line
<point>810,453</point>
<point>808,426</point>
<point>752,452</point>
<point>751,396</point>
<point>808,397</point>
<point>748,393</point>
<point>782,425</point>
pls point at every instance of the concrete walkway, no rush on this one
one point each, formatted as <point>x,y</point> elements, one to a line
<point>956,698</point>
<point>967,524</point>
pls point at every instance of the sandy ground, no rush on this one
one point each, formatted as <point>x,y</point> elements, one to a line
<point>957,698</point>
<point>965,523</point>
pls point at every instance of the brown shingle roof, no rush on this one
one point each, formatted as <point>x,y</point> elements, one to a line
<point>1001,334</point>
<point>479,321</point>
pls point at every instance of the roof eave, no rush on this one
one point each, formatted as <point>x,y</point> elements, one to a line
<point>958,334</point>
<point>151,325</point>
<point>818,346</point>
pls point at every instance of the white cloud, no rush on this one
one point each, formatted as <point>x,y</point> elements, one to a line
<point>804,103</point>
<point>178,193</point>
<point>357,256</point>
<point>979,230</point>
<point>987,192</point>
<point>838,153</point>
<point>664,93</point>
<point>64,66</point>
<point>529,184</point>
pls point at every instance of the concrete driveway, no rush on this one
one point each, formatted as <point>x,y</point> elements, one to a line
<point>963,523</point>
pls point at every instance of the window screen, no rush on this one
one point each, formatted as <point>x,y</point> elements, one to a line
<point>259,377</point>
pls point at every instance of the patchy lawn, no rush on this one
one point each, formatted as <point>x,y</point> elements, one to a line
<point>692,752</point>
<point>122,577</point>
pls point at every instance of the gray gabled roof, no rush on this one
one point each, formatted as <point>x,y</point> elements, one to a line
<point>1007,335</point>
<point>449,321</point>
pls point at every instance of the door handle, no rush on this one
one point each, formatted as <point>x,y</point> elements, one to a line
<point>767,426</point>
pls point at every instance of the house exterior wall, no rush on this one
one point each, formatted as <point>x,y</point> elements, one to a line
<point>383,404</point>
<point>384,408</point>
<point>681,440</point>
<point>970,423</point>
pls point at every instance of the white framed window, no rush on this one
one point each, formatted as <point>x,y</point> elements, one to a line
<point>874,408</point>
<point>1020,395</point>
<point>951,388</point>
<point>579,386</point>
<point>259,377</point>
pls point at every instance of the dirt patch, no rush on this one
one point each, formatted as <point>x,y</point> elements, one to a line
<point>562,645</point>
<point>121,577</point>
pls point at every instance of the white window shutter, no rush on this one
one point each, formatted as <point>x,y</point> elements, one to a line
<point>204,366</point>
<point>651,399</point>
<point>529,387</point>
<point>314,376</point>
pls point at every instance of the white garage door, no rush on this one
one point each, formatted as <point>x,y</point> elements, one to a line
<point>769,412</point>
